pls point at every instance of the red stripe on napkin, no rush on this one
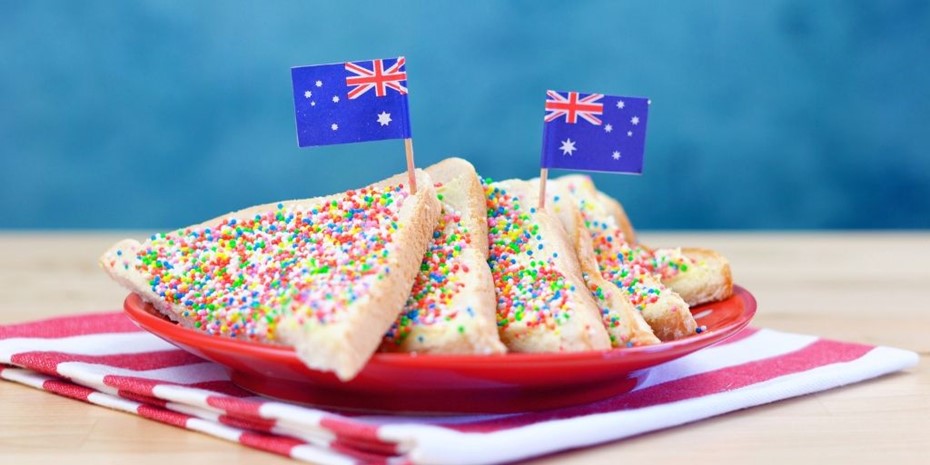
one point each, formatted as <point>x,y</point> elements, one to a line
<point>165,416</point>
<point>47,362</point>
<point>276,444</point>
<point>142,399</point>
<point>70,390</point>
<point>75,325</point>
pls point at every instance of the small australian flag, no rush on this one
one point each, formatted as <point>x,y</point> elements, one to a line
<point>594,132</point>
<point>358,101</point>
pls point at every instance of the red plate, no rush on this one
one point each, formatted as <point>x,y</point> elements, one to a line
<point>448,383</point>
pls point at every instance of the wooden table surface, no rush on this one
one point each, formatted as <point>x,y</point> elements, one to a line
<point>866,287</point>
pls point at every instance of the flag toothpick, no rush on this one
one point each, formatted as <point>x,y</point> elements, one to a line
<point>411,169</point>
<point>592,132</point>
<point>543,174</point>
<point>342,103</point>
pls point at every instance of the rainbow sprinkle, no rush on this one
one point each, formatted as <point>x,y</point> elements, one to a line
<point>531,291</point>
<point>667,263</point>
<point>610,318</point>
<point>237,277</point>
<point>615,258</point>
<point>441,278</point>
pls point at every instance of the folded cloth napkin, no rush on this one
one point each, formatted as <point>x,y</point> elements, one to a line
<point>104,359</point>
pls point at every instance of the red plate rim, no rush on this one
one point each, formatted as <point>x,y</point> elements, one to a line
<point>142,314</point>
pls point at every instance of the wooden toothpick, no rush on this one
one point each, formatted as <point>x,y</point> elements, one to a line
<point>543,174</point>
<point>411,169</point>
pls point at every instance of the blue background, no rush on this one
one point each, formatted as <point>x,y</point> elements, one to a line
<point>784,114</point>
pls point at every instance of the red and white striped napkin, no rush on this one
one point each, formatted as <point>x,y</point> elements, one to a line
<point>105,359</point>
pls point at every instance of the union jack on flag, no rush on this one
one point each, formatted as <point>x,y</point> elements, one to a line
<point>376,78</point>
<point>571,107</point>
<point>594,132</point>
<point>357,101</point>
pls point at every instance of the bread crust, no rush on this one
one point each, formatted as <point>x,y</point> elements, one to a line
<point>345,345</point>
<point>467,322</point>
<point>709,279</point>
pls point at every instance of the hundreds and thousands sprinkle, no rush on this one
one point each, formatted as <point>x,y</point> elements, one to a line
<point>237,277</point>
<point>667,263</point>
<point>618,261</point>
<point>611,319</point>
<point>531,292</point>
<point>441,278</point>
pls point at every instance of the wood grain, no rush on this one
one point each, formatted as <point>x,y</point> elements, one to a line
<point>867,287</point>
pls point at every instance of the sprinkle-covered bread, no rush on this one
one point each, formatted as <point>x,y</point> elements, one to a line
<point>624,323</point>
<point>697,275</point>
<point>667,313</point>
<point>451,308</point>
<point>542,301</point>
<point>326,275</point>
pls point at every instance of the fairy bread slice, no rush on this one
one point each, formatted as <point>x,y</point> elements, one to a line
<point>543,304</point>
<point>452,308</point>
<point>326,275</point>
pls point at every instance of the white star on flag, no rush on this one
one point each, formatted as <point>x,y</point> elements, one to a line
<point>308,94</point>
<point>629,133</point>
<point>319,83</point>
<point>568,146</point>
<point>335,126</point>
<point>312,103</point>
<point>620,104</point>
<point>634,120</point>
<point>384,118</point>
<point>336,99</point>
<point>608,128</point>
<point>616,155</point>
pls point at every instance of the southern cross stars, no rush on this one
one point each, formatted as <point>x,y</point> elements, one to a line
<point>568,146</point>
<point>384,118</point>
<point>616,155</point>
<point>308,94</point>
<point>634,120</point>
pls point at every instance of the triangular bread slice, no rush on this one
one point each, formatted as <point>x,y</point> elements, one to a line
<point>697,275</point>
<point>326,275</point>
<point>623,322</point>
<point>452,307</point>
<point>667,313</point>
<point>543,304</point>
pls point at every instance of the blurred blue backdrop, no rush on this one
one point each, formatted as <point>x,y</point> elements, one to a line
<point>783,114</point>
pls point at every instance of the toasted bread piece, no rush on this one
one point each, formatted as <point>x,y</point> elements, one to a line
<point>452,307</point>
<point>326,275</point>
<point>707,279</point>
<point>542,301</point>
<point>697,275</point>
<point>667,313</point>
<point>623,322</point>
